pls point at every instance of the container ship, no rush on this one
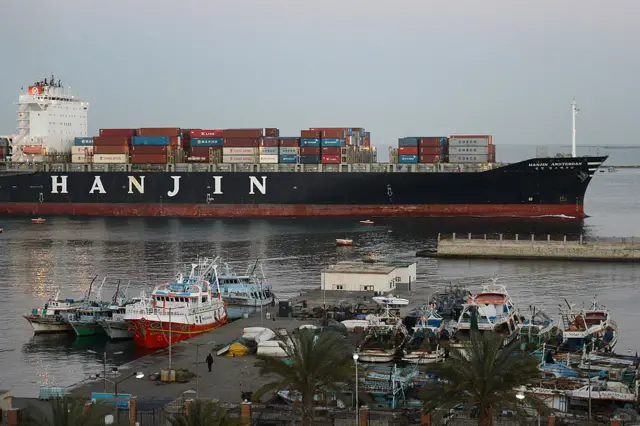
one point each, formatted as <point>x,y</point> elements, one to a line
<point>53,167</point>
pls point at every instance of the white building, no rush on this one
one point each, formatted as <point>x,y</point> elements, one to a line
<point>383,277</point>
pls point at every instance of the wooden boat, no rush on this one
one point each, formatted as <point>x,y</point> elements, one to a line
<point>344,242</point>
<point>38,221</point>
<point>366,222</point>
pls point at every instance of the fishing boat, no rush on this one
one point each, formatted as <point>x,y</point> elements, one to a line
<point>366,222</point>
<point>114,325</point>
<point>591,327</point>
<point>423,347</point>
<point>383,340</point>
<point>391,301</point>
<point>344,242</point>
<point>38,221</point>
<point>84,320</point>
<point>537,328</point>
<point>178,310</point>
<point>53,316</point>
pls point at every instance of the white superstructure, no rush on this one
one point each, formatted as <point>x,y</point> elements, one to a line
<point>49,118</point>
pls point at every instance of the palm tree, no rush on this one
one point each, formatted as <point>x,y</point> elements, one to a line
<point>68,411</point>
<point>204,413</point>
<point>319,363</point>
<point>484,378</point>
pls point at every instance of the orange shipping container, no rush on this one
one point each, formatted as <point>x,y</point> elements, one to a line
<point>149,158</point>
<point>110,149</point>
<point>159,131</point>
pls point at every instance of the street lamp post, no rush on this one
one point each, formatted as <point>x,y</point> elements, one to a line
<point>355,360</point>
<point>104,364</point>
<point>197,345</point>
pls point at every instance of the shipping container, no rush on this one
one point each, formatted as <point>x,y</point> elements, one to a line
<point>159,131</point>
<point>310,142</point>
<point>265,150</point>
<point>206,142</point>
<point>112,140</point>
<point>243,133</point>
<point>268,159</point>
<point>291,142</point>
<point>310,150</point>
<point>408,150</point>
<point>150,140</point>
<point>149,149</point>
<point>469,141</point>
<point>330,159</point>
<point>468,158</point>
<point>272,132</point>
<point>407,142</point>
<point>213,133</point>
<point>206,150</point>
<point>331,150</point>
<point>430,150</point>
<point>458,150</point>
<point>309,159</point>
<point>289,150</point>
<point>81,149</point>
<point>175,140</point>
<point>110,158</point>
<point>432,141</point>
<point>406,159</point>
<point>149,159</point>
<point>332,142</point>
<point>186,133</point>
<point>80,158</point>
<point>110,149</point>
<point>430,158</point>
<point>288,158</point>
<point>118,132</point>
<point>310,134</point>
<point>333,133</point>
<point>239,151</point>
<point>83,141</point>
<point>269,142</point>
<point>241,142</point>
<point>239,159</point>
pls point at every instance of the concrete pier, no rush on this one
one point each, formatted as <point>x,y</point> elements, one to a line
<point>535,247</point>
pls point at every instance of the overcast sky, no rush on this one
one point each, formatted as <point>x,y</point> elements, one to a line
<point>504,67</point>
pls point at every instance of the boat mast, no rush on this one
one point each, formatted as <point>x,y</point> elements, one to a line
<point>90,285</point>
<point>574,112</point>
<point>115,296</point>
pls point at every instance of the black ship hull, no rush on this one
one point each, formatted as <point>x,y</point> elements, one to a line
<point>537,187</point>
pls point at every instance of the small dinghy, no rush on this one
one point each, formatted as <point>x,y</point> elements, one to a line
<point>366,222</point>
<point>38,221</point>
<point>344,242</point>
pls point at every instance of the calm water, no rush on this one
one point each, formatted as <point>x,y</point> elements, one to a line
<point>65,252</point>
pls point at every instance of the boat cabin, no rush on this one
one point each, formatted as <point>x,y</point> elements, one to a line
<point>181,295</point>
<point>92,313</point>
<point>494,312</point>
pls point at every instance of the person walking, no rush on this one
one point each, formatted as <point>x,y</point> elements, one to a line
<point>209,361</point>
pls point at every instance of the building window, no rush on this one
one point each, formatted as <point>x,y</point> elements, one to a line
<point>339,287</point>
<point>367,288</point>
<point>397,279</point>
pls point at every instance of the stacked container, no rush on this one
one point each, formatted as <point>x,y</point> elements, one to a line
<point>471,149</point>
<point>408,150</point>
<point>288,150</point>
<point>268,149</point>
<point>240,146</point>
<point>112,146</point>
<point>206,149</point>
<point>310,148</point>
<point>82,150</point>
<point>432,149</point>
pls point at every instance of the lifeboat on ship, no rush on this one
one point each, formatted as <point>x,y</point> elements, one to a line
<point>178,310</point>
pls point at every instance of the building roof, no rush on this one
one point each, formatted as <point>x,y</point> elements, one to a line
<point>365,268</point>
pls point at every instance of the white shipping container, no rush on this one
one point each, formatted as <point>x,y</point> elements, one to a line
<point>266,150</point>
<point>239,159</point>
<point>289,150</point>
<point>80,158</point>
<point>110,158</point>
<point>81,149</point>
<point>269,159</point>
<point>239,151</point>
<point>465,150</point>
<point>468,158</point>
<point>469,141</point>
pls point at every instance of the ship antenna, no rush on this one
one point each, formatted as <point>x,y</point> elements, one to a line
<point>574,113</point>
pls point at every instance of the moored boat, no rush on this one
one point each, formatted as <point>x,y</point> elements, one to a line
<point>85,320</point>
<point>53,316</point>
<point>391,301</point>
<point>366,222</point>
<point>383,339</point>
<point>537,328</point>
<point>592,328</point>
<point>423,347</point>
<point>38,221</point>
<point>344,242</point>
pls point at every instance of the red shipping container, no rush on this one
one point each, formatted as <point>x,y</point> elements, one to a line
<point>147,149</point>
<point>214,133</point>
<point>159,131</point>
<point>330,159</point>
<point>289,142</point>
<point>110,149</point>
<point>430,150</point>
<point>429,158</point>
<point>204,150</point>
<point>118,132</point>
<point>149,158</point>
<point>310,150</point>
<point>331,150</point>
<point>240,142</point>
<point>408,150</point>
<point>310,134</point>
<point>272,132</point>
<point>269,142</point>
<point>333,133</point>
<point>429,142</point>
<point>112,140</point>
<point>243,133</point>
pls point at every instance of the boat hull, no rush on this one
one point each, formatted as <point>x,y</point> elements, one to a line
<point>153,334</point>
<point>532,188</point>
<point>423,357</point>
<point>378,356</point>
<point>44,325</point>
<point>117,330</point>
<point>87,329</point>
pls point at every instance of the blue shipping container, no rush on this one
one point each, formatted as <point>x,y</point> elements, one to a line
<point>150,140</point>
<point>333,142</point>
<point>288,158</point>
<point>309,142</point>
<point>406,159</point>
<point>309,159</point>
<point>268,150</point>
<point>408,142</point>
<point>83,141</point>
<point>289,150</point>
<point>206,141</point>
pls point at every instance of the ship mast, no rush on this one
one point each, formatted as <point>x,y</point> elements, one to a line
<point>574,112</point>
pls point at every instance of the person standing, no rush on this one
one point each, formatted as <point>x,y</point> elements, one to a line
<point>209,361</point>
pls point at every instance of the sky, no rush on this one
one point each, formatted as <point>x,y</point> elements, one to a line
<point>508,68</point>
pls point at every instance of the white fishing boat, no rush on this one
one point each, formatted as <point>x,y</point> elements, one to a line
<point>591,327</point>
<point>391,301</point>
<point>423,346</point>
<point>383,339</point>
